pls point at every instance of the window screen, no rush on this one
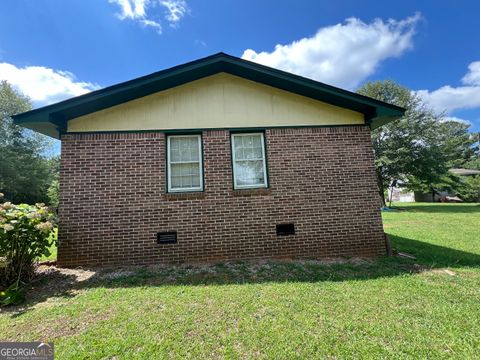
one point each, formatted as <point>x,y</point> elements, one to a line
<point>249,165</point>
<point>184,157</point>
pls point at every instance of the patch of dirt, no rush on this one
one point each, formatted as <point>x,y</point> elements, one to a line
<point>67,326</point>
<point>427,270</point>
<point>164,273</point>
<point>61,326</point>
<point>443,272</point>
<point>49,283</point>
<point>53,283</point>
<point>115,274</point>
<point>75,275</point>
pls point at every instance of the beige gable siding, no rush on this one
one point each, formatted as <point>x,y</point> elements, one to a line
<point>218,101</point>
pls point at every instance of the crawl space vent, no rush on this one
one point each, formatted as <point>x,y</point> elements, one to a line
<point>285,229</point>
<point>169,237</point>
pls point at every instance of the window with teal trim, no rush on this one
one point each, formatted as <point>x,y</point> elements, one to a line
<point>249,163</point>
<point>184,160</point>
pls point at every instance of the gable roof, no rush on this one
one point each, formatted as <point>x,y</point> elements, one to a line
<point>52,119</point>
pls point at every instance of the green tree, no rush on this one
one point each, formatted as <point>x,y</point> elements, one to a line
<point>457,147</point>
<point>474,160</point>
<point>469,189</point>
<point>25,173</point>
<point>457,142</point>
<point>408,148</point>
<point>473,164</point>
<point>54,188</point>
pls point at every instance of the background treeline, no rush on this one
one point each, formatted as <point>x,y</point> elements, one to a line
<point>27,167</point>
<point>417,151</point>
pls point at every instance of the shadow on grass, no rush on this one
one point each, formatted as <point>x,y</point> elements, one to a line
<point>441,208</point>
<point>67,283</point>
<point>50,283</point>
<point>435,256</point>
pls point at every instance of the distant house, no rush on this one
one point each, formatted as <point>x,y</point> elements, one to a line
<point>398,194</point>
<point>465,172</point>
<point>216,159</point>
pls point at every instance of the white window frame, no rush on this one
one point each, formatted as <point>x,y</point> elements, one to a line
<point>264,158</point>
<point>169,167</point>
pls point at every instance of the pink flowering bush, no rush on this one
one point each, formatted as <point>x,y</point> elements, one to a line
<point>24,237</point>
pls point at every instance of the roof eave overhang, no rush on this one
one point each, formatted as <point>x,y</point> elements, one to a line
<point>52,119</point>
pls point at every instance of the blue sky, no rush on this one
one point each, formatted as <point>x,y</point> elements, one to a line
<point>56,49</point>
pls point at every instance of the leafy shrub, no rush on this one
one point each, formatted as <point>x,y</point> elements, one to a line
<point>24,236</point>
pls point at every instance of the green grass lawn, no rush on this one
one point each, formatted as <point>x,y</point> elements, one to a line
<point>387,308</point>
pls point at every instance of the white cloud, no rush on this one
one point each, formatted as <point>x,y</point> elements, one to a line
<point>472,77</point>
<point>131,9</point>
<point>200,43</point>
<point>457,119</point>
<point>153,24</point>
<point>44,85</point>
<point>448,99</point>
<point>343,54</point>
<point>141,10</point>
<point>176,9</point>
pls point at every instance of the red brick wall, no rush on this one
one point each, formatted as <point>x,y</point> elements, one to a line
<point>113,200</point>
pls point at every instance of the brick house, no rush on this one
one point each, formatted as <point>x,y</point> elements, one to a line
<point>216,159</point>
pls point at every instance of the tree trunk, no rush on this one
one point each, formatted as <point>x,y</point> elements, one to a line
<point>380,187</point>
<point>391,196</point>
